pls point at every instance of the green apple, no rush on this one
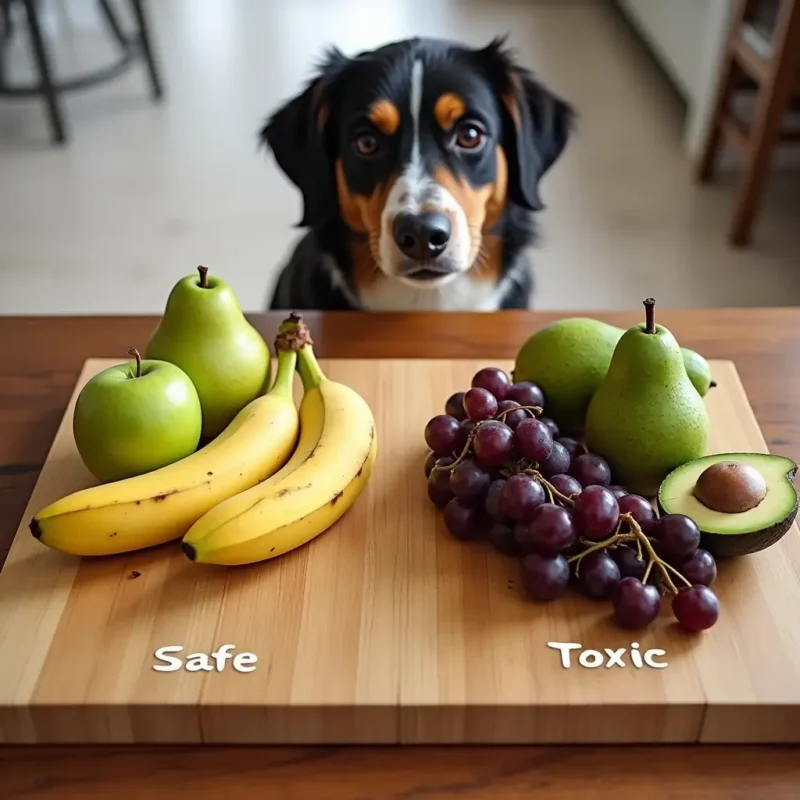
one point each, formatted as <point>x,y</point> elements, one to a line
<point>136,417</point>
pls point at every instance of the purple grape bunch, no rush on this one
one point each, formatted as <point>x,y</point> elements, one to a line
<point>501,472</point>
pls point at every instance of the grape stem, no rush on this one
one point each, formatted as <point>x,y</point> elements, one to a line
<point>636,534</point>
<point>465,451</point>
<point>615,539</point>
<point>548,487</point>
<point>471,437</point>
<point>535,411</point>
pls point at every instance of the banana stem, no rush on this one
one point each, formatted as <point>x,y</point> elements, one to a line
<point>310,371</point>
<point>284,378</point>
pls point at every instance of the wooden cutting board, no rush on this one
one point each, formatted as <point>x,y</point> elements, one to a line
<point>384,629</point>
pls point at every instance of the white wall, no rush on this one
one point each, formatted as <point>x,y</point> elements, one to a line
<point>688,37</point>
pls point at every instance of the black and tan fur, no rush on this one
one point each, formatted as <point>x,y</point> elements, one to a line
<point>419,167</point>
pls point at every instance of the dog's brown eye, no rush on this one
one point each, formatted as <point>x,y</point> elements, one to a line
<point>469,136</point>
<point>366,144</point>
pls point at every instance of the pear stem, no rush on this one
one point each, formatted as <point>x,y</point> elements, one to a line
<point>203,277</point>
<point>132,351</point>
<point>649,306</point>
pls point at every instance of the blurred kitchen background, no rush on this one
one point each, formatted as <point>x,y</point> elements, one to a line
<point>142,192</point>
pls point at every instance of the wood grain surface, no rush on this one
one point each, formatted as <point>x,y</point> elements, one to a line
<point>39,363</point>
<point>384,629</point>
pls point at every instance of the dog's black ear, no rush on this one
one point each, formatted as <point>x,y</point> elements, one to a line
<point>300,138</point>
<point>537,124</point>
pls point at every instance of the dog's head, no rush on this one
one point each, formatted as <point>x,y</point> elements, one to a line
<point>419,147</point>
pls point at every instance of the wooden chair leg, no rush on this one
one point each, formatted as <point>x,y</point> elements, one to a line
<point>773,100</point>
<point>725,86</point>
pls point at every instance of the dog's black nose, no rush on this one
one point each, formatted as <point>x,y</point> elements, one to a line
<point>422,236</point>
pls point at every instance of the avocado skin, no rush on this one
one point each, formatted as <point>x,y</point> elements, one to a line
<point>722,545</point>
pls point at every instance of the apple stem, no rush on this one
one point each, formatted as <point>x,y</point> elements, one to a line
<point>132,351</point>
<point>203,277</point>
<point>649,306</point>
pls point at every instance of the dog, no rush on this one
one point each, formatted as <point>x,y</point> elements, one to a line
<point>419,166</point>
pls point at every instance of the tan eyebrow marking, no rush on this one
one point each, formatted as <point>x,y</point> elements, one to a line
<point>385,117</point>
<point>448,109</point>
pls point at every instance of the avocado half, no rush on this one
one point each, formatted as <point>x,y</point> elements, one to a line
<point>735,534</point>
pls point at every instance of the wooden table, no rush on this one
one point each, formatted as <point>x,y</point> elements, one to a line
<point>39,363</point>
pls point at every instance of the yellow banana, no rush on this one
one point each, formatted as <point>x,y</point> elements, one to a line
<point>159,506</point>
<point>331,466</point>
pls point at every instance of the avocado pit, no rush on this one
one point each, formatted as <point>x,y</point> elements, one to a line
<point>731,487</point>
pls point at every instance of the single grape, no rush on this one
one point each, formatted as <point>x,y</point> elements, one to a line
<point>696,608</point>
<point>441,433</point>
<point>526,394</point>
<point>552,425</point>
<point>494,380</point>
<point>545,577</point>
<point>700,569</point>
<point>429,463</point>
<point>469,483</point>
<point>502,538</point>
<point>572,446</point>
<point>491,503</point>
<point>556,463</point>
<point>494,443</point>
<point>479,404</point>
<point>521,495</point>
<point>455,406</point>
<point>566,484</point>
<point>590,470</point>
<point>627,560</point>
<point>617,491</point>
<point>598,575</point>
<point>515,414</point>
<point>635,605</point>
<point>465,427</point>
<point>640,510</point>
<point>677,538</point>
<point>550,529</point>
<point>439,483</point>
<point>464,522</point>
<point>596,512</point>
<point>534,440</point>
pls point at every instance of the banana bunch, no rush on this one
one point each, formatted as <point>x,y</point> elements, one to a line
<point>330,468</point>
<point>252,493</point>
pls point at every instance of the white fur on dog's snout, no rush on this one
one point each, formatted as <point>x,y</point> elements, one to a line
<point>415,192</point>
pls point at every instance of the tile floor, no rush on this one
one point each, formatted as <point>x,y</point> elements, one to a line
<point>144,193</point>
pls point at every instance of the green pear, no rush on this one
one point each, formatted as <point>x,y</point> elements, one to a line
<point>569,359</point>
<point>646,418</point>
<point>698,371</point>
<point>204,332</point>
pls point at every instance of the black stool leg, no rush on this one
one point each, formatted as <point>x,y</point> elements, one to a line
<point>43,63</point>
<point>147,49</point>
<point>113,23</point>
<point>8,22</point>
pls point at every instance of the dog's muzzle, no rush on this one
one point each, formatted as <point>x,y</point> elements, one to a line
<point>422,238</point>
